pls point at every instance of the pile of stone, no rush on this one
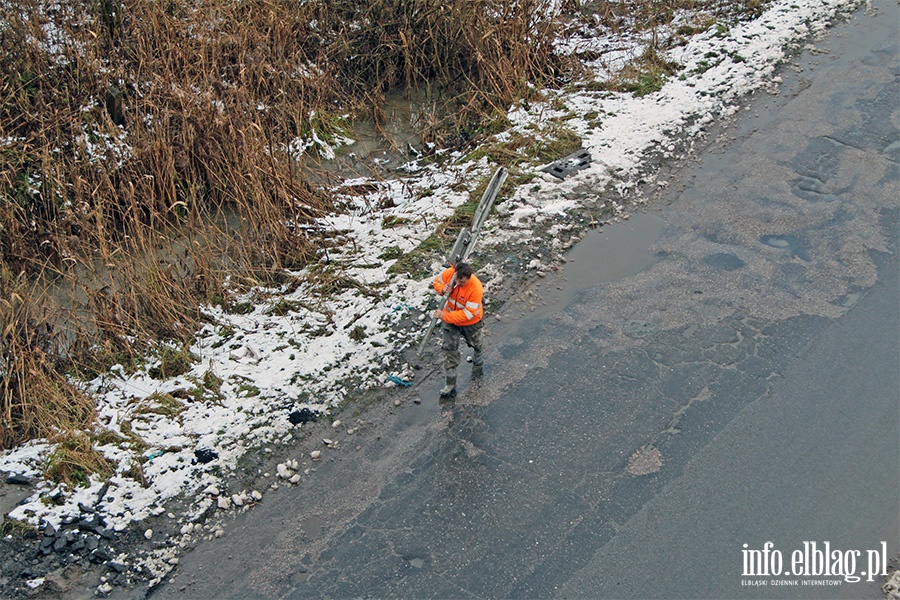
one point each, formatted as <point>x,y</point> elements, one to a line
<point>77,539</point>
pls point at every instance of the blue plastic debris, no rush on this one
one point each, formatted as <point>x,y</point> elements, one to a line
<point>399,381</point>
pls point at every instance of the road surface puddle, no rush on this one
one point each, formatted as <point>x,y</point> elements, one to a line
<point>607,255</point>
<point>312,527</point>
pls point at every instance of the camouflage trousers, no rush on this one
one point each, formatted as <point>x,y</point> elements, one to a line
<point>472,334</point>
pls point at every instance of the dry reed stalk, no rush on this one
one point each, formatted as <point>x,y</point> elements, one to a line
<point>145,218</point>
<point>36,400</point>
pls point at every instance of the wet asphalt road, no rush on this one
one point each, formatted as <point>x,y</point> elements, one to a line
<point>738,383</point>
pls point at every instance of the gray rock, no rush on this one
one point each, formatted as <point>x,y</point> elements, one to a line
<point>101,555</point>
<point>118,567</point>
<point>90,524</point>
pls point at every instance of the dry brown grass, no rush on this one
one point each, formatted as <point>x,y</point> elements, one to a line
<point>143,153</point>
<point>74,460</point>
<point>36,400</point>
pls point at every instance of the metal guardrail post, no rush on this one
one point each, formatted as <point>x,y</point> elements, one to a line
<point>465,242</point>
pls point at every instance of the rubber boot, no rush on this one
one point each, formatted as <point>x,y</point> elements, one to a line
<point>477,364</point>
<point>450,388</point>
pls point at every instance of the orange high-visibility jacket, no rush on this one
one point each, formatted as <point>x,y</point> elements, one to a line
<point>464,306</point>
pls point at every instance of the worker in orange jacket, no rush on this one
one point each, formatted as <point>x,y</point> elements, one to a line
<point>462,316</point>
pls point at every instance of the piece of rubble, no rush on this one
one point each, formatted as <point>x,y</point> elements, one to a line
<point>16,479</point>
<point>562,168</point>
<point>891,588</point>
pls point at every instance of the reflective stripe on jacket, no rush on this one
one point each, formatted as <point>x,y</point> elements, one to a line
<point>464,306</point>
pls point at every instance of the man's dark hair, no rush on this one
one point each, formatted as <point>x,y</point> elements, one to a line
<point>464,270</point>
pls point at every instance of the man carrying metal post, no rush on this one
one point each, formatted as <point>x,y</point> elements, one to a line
<point>462,309</point>
<point>461,316</point>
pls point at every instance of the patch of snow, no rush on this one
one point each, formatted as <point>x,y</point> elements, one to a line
<point>271,362</point>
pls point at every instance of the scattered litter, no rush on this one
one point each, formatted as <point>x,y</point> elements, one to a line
<point>564,167</point>
<point>261,385</point>
<point>245,354</point>
<point>205,455</point>
<point>304,415</point>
